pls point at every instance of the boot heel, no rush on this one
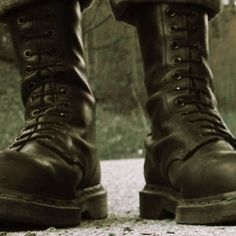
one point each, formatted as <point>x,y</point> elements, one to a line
<point>154,206</point>
<point>96,208</point>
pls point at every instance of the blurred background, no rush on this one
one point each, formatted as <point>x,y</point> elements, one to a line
<point>116,75</point>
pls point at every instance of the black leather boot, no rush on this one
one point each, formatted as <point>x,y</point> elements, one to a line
<point>190,167</point>
<point>50,174</point>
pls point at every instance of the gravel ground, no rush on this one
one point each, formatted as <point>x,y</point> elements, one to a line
<point>123,180</point>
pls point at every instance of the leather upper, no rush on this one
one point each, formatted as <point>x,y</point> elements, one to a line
<point>188,133</point>
<point>54,155</point>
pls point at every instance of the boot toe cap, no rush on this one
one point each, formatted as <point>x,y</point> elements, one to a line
<point>209,175</point>
<point>36,175</point>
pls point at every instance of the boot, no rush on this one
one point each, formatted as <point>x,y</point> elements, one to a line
<point>50,174</point>
<point>190,166</point>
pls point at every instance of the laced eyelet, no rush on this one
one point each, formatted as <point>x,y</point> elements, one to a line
<point>64,91</point>
<point>27,54</point>
<point>35,113</point>
<point>175,45</point>
<point>174,28</point>
<point>21,20</point>
<point>180,103</point>
<point>32,98</point>
<point>177,89</point>
<point>63,115</point>
<point>170,12</point>
<point>178,76</point>
<point>178,60</point>
<point>29,69</point>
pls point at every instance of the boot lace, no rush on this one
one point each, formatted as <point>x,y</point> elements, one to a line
<point>196,91</point>
<point>41,75</point>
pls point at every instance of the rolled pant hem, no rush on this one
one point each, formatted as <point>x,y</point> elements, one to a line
<point>123,10</point>
<point>8,5</point>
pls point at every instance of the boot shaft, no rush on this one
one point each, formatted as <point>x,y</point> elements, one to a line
<point>173,37</point>
<point>48,40</point>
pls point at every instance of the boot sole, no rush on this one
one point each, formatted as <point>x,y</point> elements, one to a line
<point>160,203</point>
<point>91,203</point>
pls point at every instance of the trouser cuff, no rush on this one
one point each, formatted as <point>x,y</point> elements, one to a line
<point>8,5</point>
<point>124,10</point>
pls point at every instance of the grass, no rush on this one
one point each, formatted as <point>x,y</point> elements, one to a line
<point>119,135</point>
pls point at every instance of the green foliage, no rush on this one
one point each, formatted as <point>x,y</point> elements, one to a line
<point>119,135</point>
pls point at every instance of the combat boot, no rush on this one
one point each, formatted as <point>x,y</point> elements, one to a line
<point>50,174</point>
<point>190,166</point>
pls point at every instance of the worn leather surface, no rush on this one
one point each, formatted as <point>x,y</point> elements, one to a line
<point>190,149</point>
<point>54,155</point>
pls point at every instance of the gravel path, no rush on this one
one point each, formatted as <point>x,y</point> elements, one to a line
<point>123,180</point>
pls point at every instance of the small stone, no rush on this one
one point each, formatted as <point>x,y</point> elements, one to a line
<point>111,234</point>
<point>30,234</point>
<point>128,229</point>
<point>51,229</point>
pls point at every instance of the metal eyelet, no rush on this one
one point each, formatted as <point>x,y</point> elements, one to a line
<point>32,98</point>
<point>35,113</point>
<point>29,69</point>
<point>21,20</point>
<point>178,60</point>
<point>27,54</point>
<point>174,28</point>
<point>63,115</point>
<point>64,91</point>
<point>178,76</point>
<point>180,103</point>
<point>170,12</point>
<point>177,89</point>
<point>174,45</point>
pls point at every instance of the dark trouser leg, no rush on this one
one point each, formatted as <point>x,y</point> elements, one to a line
<point>50,175</point>
<point>124,10</point>
<point>190,165</point>
<point>6,5</point>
